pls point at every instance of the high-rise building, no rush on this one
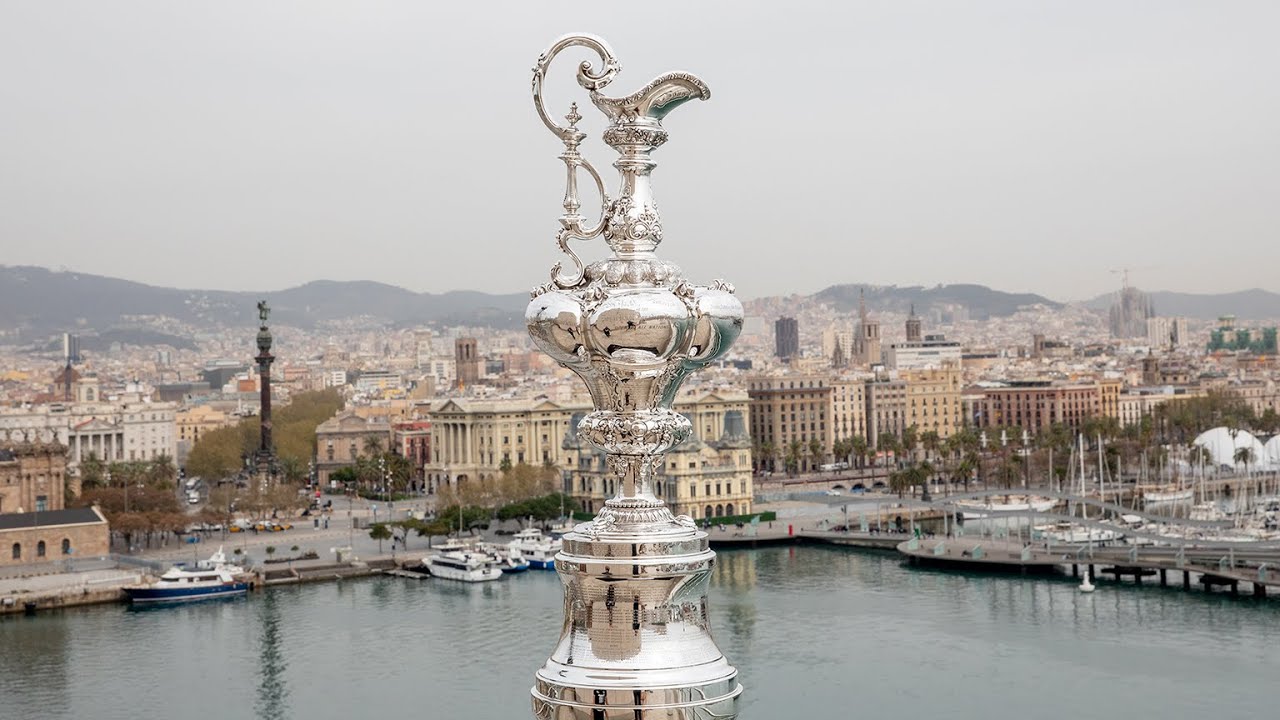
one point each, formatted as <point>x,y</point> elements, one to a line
<point>71,348</point>
<point>1167,332</point>
<point>786,335</point>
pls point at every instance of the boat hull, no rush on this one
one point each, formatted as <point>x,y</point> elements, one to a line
<point>176,595</point>
<point>541,564</point>
<point>511,570</point>
<point>472,576</point>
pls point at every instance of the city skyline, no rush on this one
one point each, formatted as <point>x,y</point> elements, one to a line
<point>168,147</point>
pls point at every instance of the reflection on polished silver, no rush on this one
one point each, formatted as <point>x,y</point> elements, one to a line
<point>636,641</point>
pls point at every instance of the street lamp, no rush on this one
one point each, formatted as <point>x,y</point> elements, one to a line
<point>983,441</point>
<point>1026,457</point>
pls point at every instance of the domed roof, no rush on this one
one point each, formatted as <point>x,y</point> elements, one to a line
<point>1222,447</point>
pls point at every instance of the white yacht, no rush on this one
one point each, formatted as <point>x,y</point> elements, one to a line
<point>535,548</point>
<point>463,566</point>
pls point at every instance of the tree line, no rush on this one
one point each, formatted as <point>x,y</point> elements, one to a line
<point>221,453</point>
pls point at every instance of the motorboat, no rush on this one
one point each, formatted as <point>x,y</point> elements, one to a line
<point>212,578</point>
<point>507,561</point>
<point>463,566</point>
<point>535,548</point>
<point>1010,504</point>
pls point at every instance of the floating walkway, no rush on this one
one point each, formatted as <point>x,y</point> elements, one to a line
<point>1258,568</point>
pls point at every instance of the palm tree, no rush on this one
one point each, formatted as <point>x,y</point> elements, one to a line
<point>841,449</point>
<point>795,451</point>
<point>1244,456</point>
<point>910,439</point>
<point>931,442</point>
<point>816,452</point>
<point>921,475</point>
<point>859,447</point>
<point>963,470</point>
<point>768,453</point>
<point>373,446</point>
<point>1197,454</point>
<point>899,481</point>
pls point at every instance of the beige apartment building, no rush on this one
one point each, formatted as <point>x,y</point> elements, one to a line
<point>195,421</point>
<point>790,408</point>
<point>1035,405</point>
<point>849,407</point>
<point>933,400</point>
<point>887,405</point>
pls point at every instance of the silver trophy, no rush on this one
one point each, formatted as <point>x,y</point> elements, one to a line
<point>637,641</point>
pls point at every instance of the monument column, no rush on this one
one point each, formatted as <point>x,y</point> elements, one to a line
<point>265,458</point>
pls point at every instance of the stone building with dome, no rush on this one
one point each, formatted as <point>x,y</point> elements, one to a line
<point>702,478</point>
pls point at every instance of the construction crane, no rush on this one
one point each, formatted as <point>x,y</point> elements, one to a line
<point>1123,272</point>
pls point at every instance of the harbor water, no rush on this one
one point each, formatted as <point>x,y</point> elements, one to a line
<point>816,632</point>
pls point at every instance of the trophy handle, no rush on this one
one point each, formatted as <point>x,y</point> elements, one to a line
<point>588,79</point>
<point>570,221</point>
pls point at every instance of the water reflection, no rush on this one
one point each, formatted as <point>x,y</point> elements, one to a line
<point>35,647</point>
<point>273,693</point>
<point>805,626</point>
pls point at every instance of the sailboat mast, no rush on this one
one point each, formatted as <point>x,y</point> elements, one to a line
<point>1084,509</point>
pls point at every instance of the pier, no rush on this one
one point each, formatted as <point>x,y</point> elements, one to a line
<point>1212,567</point>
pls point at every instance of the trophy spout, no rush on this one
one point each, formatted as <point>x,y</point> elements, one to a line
<point>655,100</point>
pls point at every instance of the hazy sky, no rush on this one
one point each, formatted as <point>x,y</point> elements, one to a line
<point>1023,145</point>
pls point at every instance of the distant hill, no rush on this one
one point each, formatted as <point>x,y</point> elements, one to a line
<point>1252,304</point>
<point>42,301</point>
<point>981,301</point>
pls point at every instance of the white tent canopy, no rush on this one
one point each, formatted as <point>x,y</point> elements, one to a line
<point>1222,447</point>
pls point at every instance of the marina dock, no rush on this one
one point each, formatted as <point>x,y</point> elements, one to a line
<point>1211,567</point>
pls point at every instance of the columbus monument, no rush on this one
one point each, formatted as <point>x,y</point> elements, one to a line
<point>636,642</point>
<point>264,460</point>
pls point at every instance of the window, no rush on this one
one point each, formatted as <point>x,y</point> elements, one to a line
<point>40,549</point>
<point>66,546</point>
<point>17,551</point>
<point>693,490</point>
<point>42,503</point>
